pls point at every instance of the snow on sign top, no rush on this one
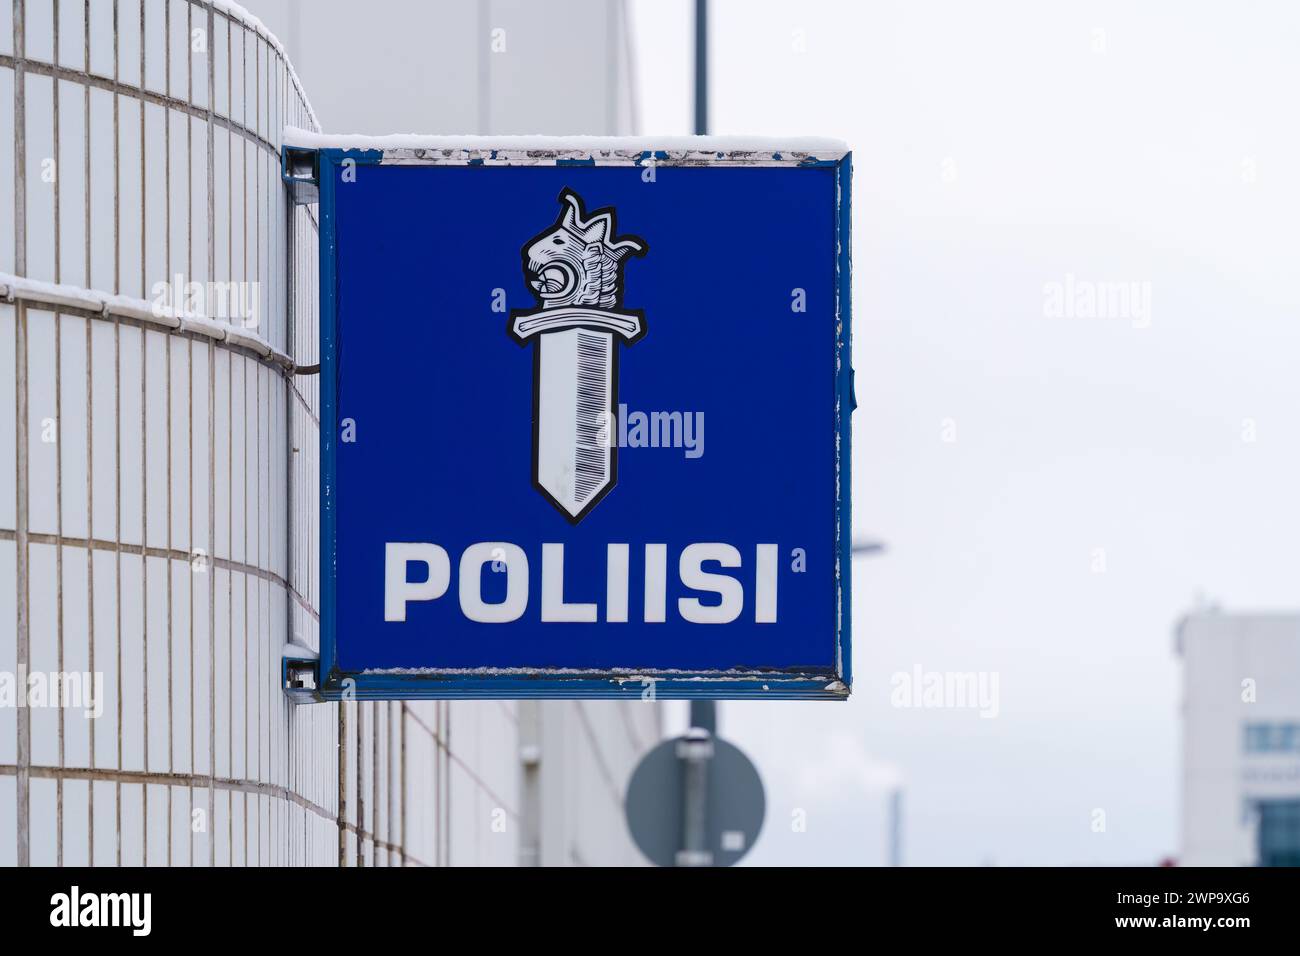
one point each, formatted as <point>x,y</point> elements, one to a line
<point>822,148</point>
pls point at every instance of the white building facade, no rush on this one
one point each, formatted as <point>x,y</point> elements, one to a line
<point>1241,739</point>
<point>158,489</point>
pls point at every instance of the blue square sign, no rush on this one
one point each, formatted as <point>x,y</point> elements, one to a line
<point>585,419</point>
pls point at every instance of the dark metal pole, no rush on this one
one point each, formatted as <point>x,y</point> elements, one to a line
<point>703,712</point>
<point>896,826</point>
<point>695,753</point>
<point>701,67</point>
<point>695,750</point>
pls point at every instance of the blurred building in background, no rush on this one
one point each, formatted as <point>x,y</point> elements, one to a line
<point>1241,739</point>
<point>158,453</point>
<point>472,66</point>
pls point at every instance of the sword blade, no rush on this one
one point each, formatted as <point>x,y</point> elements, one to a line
<point>574,415</point>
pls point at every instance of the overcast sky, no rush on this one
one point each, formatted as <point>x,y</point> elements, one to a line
<point>1054,491</point>
<point>998,148</point>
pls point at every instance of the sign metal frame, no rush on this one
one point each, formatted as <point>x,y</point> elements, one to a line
<point>310,171</point>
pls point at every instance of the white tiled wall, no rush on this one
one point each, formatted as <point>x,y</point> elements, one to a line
<point>158,497</point>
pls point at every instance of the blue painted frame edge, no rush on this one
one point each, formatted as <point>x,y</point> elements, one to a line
<point>845,404</point>
<point>333,684</point>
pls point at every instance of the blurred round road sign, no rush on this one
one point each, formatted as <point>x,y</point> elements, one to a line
<point>734,802</point>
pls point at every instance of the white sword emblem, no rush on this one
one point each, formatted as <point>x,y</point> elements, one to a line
<point>575,269</point>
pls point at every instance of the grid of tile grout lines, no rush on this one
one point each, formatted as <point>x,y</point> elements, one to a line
<point>144,520</point>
